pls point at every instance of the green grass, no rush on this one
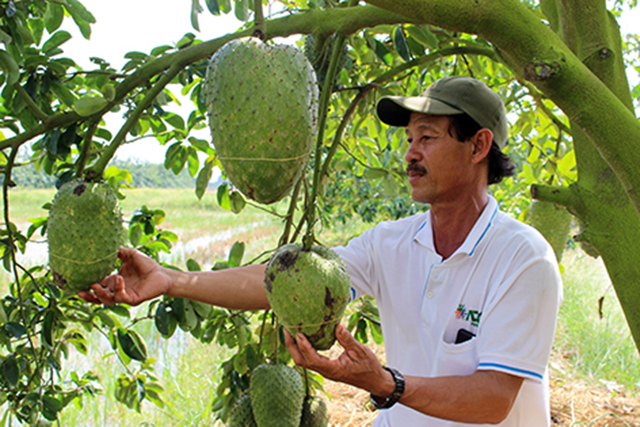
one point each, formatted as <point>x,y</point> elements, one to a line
<point>593,348</point>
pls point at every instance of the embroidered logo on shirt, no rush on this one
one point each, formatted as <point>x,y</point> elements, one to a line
<point>468,315</point>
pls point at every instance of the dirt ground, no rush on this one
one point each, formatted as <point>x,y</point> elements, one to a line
<point>573,403</point>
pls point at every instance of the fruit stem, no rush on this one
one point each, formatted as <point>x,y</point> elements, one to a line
<point>327,90</point>
<point>289,218</point>
<point>259,25</point>
<point>110,151</point>
<point>306,381</point>
<point>86,148</point>
<point>264,323</point>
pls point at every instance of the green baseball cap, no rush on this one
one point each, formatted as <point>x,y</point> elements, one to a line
<point>450,96</point>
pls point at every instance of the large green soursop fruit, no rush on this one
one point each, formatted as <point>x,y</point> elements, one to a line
<point>262,108</point>
<point>553,222</point>
<point>242,414</point>
<point>277,394</point>
<point>308,291</point>
<point>314,412</point>
<point>84,234</point>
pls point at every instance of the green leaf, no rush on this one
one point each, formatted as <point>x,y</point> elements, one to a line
<point>51,407</point>
<point>64,95</point>
<point>237,202</point>
<point>53,17</point>
<point>223,196</point>
<point>422,36</point>
<point>193,162</point>
<point>47,329</point>
<point>204,176</point>
<point>5,38</point>
<point>57,39</point>
<point>132,344</point>
<point>89,105</point>
<point>11,371</point>
<point>172,154</point>
<point>213,6</point>
<point>236,254</point>
<point>192,265</point>
<point>10,67</point>
<point>185,41</point>
<point>202,310</point>
<point>165,321</point>
<point>401,43</point>
<point>196,9</point>
<point>79,9</point>
<point>175,120</point>
<point>241,10</point>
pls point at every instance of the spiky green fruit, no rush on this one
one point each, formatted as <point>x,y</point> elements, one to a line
<point>262,108</point>
<point>553,222</point>
<point>84,234</point>
<point>277,394</point>
<point>241,414</point>
<point>314,412</point>
<point>319,51</point>
<point>308,291</point>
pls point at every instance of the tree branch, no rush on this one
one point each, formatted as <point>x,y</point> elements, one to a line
<point>110,151</point>
<point>30,102</point>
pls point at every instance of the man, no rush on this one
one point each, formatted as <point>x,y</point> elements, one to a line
<point>468,297</point>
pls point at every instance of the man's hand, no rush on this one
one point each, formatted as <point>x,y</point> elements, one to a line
<point>357,365</point>
<point>140,279</point>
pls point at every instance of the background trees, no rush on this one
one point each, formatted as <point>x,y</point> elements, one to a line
<point>559,66</point>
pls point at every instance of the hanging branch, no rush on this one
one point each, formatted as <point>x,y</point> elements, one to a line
<point>289,218</point>
<point>86,148</point>
<point>325,95</point>
<point>119,139</point>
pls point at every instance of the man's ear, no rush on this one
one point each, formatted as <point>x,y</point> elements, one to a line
<point>482,141</point>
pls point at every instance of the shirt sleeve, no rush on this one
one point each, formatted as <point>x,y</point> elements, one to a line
<point>358,256</point>
<point>520,319</point>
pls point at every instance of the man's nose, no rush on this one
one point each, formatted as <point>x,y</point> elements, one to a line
<point>412,154</point>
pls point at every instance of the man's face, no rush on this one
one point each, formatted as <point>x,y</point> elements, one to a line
<point>438,165</point>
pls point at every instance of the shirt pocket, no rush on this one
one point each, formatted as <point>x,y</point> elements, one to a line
<point>456,359</point>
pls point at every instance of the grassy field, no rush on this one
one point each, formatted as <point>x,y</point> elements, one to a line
<point>595,351</point>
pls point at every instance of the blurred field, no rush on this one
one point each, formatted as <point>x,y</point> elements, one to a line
<point>595,367</point>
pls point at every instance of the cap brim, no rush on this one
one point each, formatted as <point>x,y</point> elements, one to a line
<point>396,110</point>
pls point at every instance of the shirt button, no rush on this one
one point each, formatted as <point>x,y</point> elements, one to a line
<point>430,294</point>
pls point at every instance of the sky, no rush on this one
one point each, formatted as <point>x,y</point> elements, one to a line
<point>140,25</point>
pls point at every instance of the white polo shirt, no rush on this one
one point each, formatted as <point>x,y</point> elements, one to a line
<point>502,284</point>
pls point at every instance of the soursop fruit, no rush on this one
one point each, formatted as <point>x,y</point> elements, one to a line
<point>262,109</point>
<point>277,394</point>
<point>318,52</point>
<point>308,291</point>
<point>553,222</point>
<point>241,414</point>
<point>314,412</point>
<point>84,234</point>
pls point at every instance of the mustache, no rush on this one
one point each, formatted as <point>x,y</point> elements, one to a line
<point>415,167</point>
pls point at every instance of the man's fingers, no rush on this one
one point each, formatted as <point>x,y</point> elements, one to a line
<point>345,338</point>
<point>290,342</point>
<point>89,297</point>
<point>102,295</point>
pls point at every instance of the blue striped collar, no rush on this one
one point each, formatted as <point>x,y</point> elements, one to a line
<point>424,235</point>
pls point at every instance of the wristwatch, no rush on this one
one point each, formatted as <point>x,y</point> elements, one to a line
<point>387,402</point>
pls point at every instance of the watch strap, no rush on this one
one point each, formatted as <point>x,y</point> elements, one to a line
<point>387,402</point>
